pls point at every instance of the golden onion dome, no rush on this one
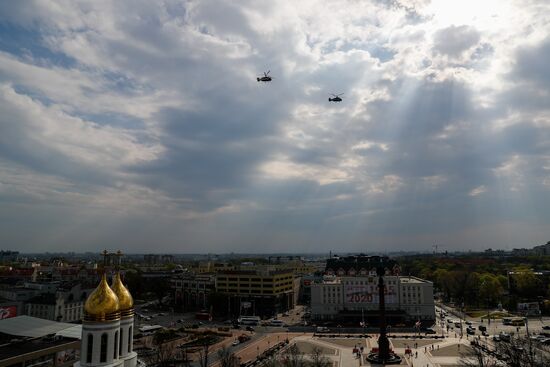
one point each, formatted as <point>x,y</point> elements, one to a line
<point>125,300</point>
<point>102,304</point>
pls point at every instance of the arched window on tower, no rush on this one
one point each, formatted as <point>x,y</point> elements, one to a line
<point>115,349</point>
<point>103,350</point>
<point>120,341</point>
<point>89,348</point>
<point>129,339</point>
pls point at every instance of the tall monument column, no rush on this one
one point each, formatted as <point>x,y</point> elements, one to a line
<point>383,342</point>
<point>384,355</point>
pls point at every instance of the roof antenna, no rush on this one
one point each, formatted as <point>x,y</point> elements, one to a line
<point>105,254</point>
<point>119,259</point>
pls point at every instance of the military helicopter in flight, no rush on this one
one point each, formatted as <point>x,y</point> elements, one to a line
<point>336,97</point>
<point>265,77</point>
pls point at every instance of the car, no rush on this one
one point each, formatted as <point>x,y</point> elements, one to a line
<point>470,331</point>
<point>180,321</point>
<point>482,328</point>
<point>484,333</point>
<point>496,338</point>
<point>538,337</point>
<point>161,314</point>
<point>468,323</point>
<point>286,314</point>
<point>458,324</point>
<point>429,330</point>
<point>228,322</point>
<point>505,337</point>
<point>546,327</point>
<point>249,328</point>
<point>236,342</point>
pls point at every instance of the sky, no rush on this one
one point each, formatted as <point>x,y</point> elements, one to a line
<point>140,125</point>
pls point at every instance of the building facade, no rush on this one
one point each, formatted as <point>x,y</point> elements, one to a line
<point>348,293</point>
<point>192,291</point>
<point>259,291</point>
<point>354,298</point>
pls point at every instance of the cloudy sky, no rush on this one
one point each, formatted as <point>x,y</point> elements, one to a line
<point>140,125</point>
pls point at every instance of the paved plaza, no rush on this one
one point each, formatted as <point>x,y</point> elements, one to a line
<point>425,352</point>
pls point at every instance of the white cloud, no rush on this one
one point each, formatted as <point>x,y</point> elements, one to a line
<point>151,110</point>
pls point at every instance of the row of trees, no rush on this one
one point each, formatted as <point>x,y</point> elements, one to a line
<point>519,352</point>
<point>471,288</point>
<point>482,282</point>
<point>292,357</point>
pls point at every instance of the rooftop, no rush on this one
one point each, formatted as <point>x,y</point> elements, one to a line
<point>24,346</point>
<point>35,327</point>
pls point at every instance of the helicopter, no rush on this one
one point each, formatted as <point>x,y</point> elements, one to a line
<point>336,98</point>
<point>265,77</point>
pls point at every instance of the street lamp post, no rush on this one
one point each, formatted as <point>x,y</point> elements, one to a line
<point>528,337</point>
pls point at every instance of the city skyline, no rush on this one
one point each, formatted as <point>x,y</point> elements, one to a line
<point>142,126</point>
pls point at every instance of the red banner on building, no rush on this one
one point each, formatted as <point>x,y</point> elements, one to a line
<point>7,311</point>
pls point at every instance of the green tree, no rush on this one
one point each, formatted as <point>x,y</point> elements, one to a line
<point>527,284</point>
<point>318,359</point>
<point>227,358</point>
<point>490,289</point>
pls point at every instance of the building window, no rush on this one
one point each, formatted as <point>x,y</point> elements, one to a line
<point>120,341</point>
<point>130,339</point>
<point>103,351</point>
<point>115,349</point>
<point>89,348</point>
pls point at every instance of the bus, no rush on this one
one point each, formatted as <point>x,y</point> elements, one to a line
<point>203,315</point>
<point>514,321</point>
<point>149,329</point>
<point>249,320</point>
<point>276,323</point>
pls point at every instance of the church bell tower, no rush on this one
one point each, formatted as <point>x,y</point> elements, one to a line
<point>107,326</point>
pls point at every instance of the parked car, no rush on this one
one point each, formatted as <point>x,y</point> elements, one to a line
<point>505,337</point>
<point>236,342</point>
<point>428,330</point>
<point>249,328</point>
<point>470,331</point>
<point>546,327</point>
